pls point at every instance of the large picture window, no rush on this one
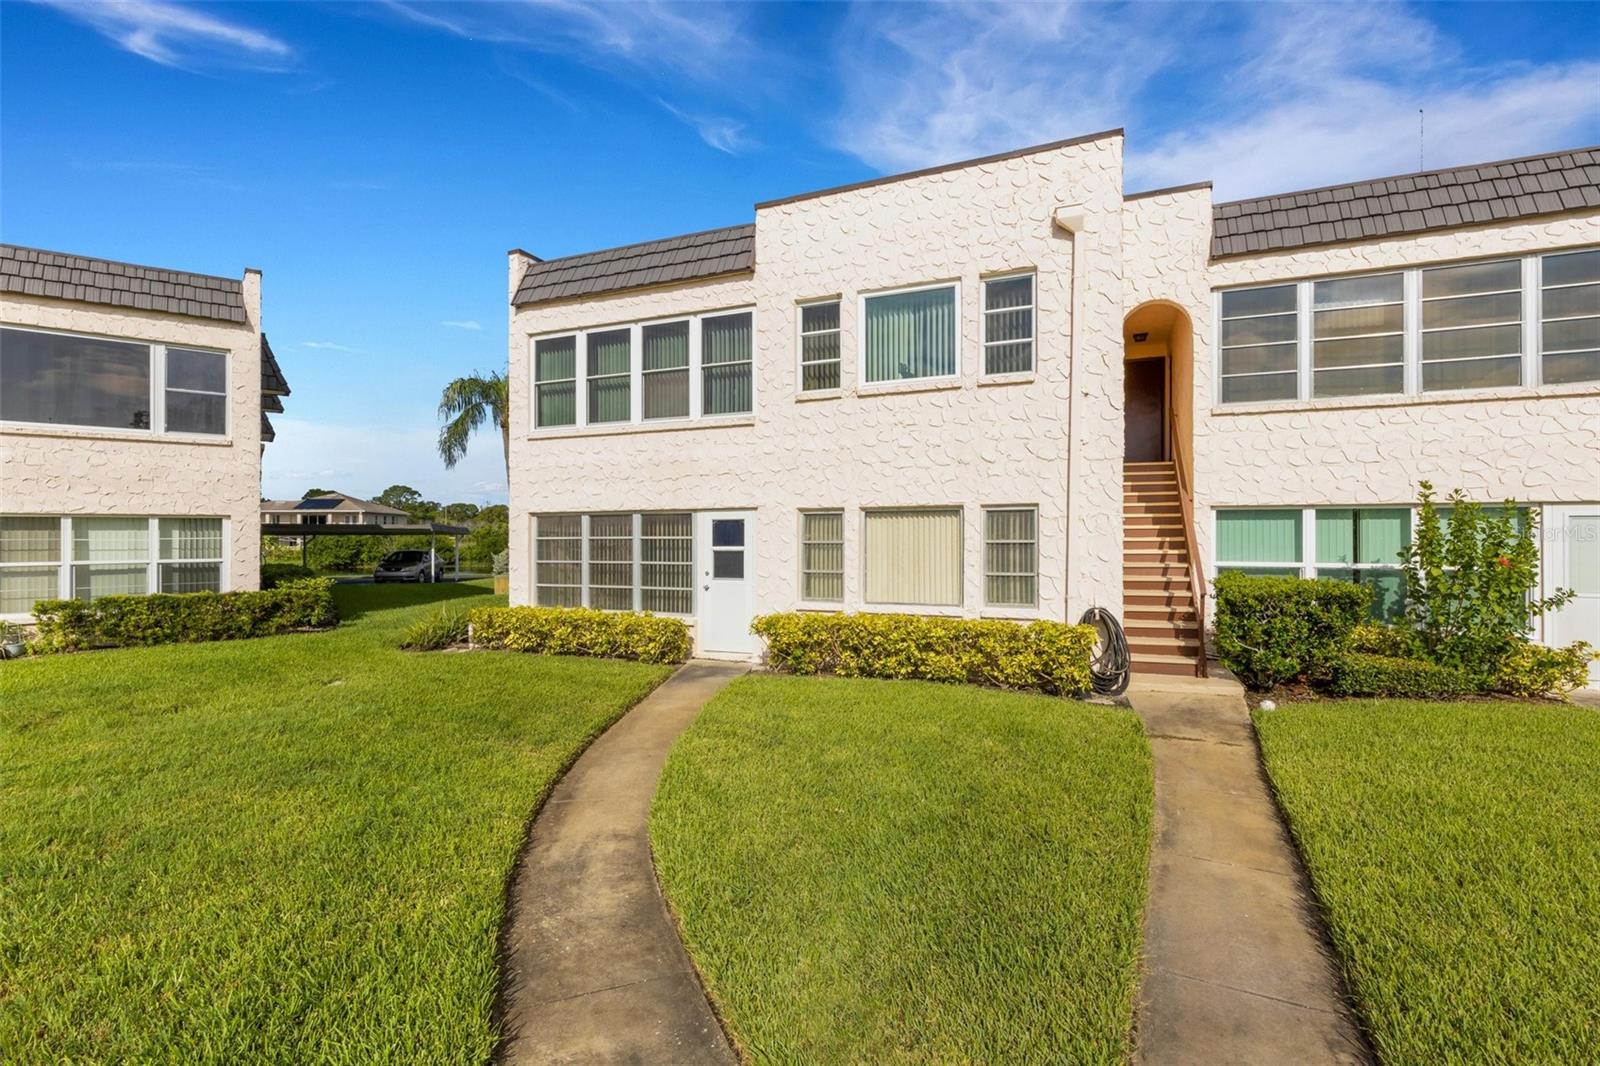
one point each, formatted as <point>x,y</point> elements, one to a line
<point>1570,330</point>
<point>86,557</point>
<point>590,559</point>
<point>1361,544</point>
<point>913,557</point>
<point>909,335</point>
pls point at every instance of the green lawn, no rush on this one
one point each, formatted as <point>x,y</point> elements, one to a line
<point>290,849</point>
<point>873,871</point>
<point>1456,848</point>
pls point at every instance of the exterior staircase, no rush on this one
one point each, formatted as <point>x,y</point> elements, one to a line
<point>1160,616</point>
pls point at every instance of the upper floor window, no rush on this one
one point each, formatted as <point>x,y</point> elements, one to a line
<point>1414,331</point>
<point>66,379</point>
<point>1008,325</point>
<point>645,372</point>
<point>819,346</point>
<point>1570,331</point>
<point>909,335</point>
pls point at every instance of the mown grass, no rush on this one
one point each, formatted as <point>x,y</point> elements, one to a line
<point>290,849</point>
<point>1456,848</point>
<point>872,871</point>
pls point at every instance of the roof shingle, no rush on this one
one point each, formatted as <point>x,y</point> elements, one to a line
<point>35,272</point>
<point>695,255</point>
<point>1409,203</point>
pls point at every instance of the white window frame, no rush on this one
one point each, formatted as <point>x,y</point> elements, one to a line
<point>1521,354</point>
<point>1533,337</point>
<point>579,392</point>
<point>801,333</point>
<point>1532,330</point>
<point>1307,540</point>
<point>158,389</point>
<point>637,538</point>
<point>961,556</point>
<point>844,562</point>
<point>636,419</point>
<point>1311,309</point>
<point>65,586</point>
<point>862,384</point>
<point>983,519</point>
<point>582,561</point>
<point>1033,319</point>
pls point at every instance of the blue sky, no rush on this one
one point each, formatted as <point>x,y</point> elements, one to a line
<point>376,160</point>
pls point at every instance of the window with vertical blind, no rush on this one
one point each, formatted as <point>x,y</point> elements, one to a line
<point>1259,542</point>
<point>912,556</point>
<point>909,335</point>
<point>1011,556</point>
<point>1362,544</point>
<point>89,556</point>
<point>1358,339</point>
<point>819,346</point>
<point>555,375</point>
<point>667,573</point>
<point>1472,326</point>
<point>611,562</point>
<point>558,560</point>
<point>1570,328</point>
<point>664,376</point>
<point>1008,324</point>
<point>726,347</point>
<point>610,361</point>
<point>1484,324</point>
<point>822,556</point>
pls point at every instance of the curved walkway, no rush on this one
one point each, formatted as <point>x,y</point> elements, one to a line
<point>1236,969</point>
<point>595,972</point>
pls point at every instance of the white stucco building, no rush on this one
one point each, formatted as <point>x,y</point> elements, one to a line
<point>133,408</point>
<point>1007,388</point>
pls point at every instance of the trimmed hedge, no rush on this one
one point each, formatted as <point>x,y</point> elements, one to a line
<point>1363,674</point>
<point>183,618</point>
<point>275,574</point>
<point>1375,638</point>
<point>1273,630</point>
<point>1531,669</point>
<point>1047,656</point>
<point>581,631</point>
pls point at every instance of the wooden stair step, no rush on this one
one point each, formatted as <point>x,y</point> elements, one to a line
<point>1169,665</point>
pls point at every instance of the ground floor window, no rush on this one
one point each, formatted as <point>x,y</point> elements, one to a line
<point>1011,556</point>
<point>615,562</point>
<point>822,556</point>
<point>1361,544</point>
<point>913,556</point>
<point>50,557</point>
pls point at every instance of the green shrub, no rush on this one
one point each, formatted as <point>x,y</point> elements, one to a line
<point>1534,670</point>
<point>190,617</point>
<point>441,630</point>
<point>1363,674</point>
<point>581,631</point>
<point>1470,583</point>
<point>1376,638</point>
<point>1271,630</point>
<point>1047,656</point>
<point>275,574</point>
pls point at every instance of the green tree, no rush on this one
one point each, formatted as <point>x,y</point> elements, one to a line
<point>459,512</point>
<point>309,493</point>
<point>402,496</point>
<point>465,406</point>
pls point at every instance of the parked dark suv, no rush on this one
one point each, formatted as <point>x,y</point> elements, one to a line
<point>413,564</point>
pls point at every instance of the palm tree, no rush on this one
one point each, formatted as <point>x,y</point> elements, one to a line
<point>467,403</point>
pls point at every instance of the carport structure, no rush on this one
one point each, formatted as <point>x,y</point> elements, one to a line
<point>433,530</point>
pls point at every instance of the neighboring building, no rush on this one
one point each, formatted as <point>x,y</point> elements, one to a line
<point>996,389</point>
<point>133,414</point>
<point>332,509</point>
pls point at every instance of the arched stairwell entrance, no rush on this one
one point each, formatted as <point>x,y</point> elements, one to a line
<point>1163,587</point>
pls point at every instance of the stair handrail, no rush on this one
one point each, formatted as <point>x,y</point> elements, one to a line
<point>1197,580</point>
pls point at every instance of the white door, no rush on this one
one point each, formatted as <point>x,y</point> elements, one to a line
<point>727,583</point>
<point>1575,565</point>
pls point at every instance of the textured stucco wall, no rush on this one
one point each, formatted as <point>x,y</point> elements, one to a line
<point>965,442</point>
<point>49,471</point>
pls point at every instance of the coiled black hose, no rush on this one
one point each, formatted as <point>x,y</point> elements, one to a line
<point>1109,667</point>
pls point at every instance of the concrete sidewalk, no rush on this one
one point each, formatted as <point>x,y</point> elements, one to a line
<point>595,971</point>
<point>1236,969</point>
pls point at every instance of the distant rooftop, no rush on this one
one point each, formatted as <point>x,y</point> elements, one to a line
<point>61,276</point>
<point>331,501</point>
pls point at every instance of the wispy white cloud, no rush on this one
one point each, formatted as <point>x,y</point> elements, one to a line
<point>178,35</point>
<point>328,346</point>
<point>720,132</point>
<point>462,323</point>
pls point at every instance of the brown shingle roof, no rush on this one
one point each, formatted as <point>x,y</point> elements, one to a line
<point>1538,185</point>
<point>695,255</point>
<point>273,383</point>
<point>34,272</point>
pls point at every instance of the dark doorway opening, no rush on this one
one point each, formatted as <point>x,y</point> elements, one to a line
<point>1144,410</point>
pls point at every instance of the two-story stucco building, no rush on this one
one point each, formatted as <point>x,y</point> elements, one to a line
<point>1008,388</point>
<point>133,414</point>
